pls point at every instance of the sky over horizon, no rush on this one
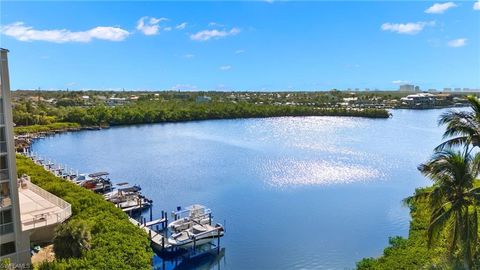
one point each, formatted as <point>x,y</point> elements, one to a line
<point>264,46</point>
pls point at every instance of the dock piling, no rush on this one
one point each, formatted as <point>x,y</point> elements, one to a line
<point>194,244</point>
<point>218,241</point>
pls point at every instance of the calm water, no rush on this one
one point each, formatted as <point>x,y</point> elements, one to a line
<point>296,193</point>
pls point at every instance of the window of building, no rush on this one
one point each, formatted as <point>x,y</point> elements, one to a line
<point>3,166</point>
<point>5,199</point>
<point>2,134</point>
<point>6,216</point>
<point>6,222</point>
<point>3,140</point>
<point>2,115</point>
<point>7,248</point>
<point>3,162</point>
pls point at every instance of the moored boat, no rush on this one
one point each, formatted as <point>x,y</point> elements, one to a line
<point>190,216</point>
<point>197,235</point>
<point>98,182</point>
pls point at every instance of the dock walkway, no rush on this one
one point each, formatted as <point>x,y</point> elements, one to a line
<point>159,242</point>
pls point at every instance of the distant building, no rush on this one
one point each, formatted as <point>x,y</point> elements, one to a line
<point>432,90</point>
<point>457,89</point>
<point>407,88</point>
<point>203,99</point>
<point>443,99</point>
<point>350,99</point>
<point>446,89</point>
<point>422,100</point>
<point>417,88</point>
<point>115,101</point>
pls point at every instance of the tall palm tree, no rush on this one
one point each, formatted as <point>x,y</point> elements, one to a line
<point>463,127</point>
<point>453,200</point>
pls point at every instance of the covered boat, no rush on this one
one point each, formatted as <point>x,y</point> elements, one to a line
<point>190,216</point>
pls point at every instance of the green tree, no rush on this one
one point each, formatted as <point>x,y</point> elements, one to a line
<point>71,240</point>
<point>453,202</point>
<point>462,127</point>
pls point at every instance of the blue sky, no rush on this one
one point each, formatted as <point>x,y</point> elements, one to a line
<point>241,45</point>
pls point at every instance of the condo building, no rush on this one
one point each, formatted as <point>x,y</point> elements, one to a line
<point>28,213</point>
<point>407,88</point>
<point>14,243</point>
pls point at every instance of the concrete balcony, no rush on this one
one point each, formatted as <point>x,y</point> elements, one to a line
<point>40,210</point>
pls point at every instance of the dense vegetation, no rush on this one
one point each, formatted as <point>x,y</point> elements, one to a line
<point>109,240</point>
<point>45,128</point>
<point>410,253</point>
<point>444,231</point>
<point>171,111</point>
<point>413,252</point>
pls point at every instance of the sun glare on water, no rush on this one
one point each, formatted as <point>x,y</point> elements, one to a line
<point>287,173</point>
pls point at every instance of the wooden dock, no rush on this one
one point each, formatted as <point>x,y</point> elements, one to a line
<point>159,241</point>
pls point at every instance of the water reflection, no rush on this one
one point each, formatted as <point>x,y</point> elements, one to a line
<point>204,258</point>
<point>288,172</point>
<point>323,192</point>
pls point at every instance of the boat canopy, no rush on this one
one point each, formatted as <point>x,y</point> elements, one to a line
<point>98,174</point>
<point>195,210</point>
<point>130,189</point>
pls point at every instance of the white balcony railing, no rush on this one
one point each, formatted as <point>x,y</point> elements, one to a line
<point>60,213</point>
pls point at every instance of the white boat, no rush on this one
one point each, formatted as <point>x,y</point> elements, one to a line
<point>134,203</point>
<point>99,182</point>
<point>197,235</point>
<point>190,216</point>
<point>121,194</point>
<point>128,198</point>
<point>81,178</point>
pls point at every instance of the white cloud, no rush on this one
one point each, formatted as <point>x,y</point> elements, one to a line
<point>22,32</point>
<point>476,5</point>
<point>400,82</point>
<point>181,26</point>
<point>225,68</point>
<point>406,28</point>
<point>239,51</point>
<point>440,8</point>
<point>150,26</point>
<point>188,56</point>
<point>215,34</point>
<point>460,42</point>
<point>215,24</point>
<point>168,28</point>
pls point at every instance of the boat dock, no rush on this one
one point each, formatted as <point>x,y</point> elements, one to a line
<point>159,240</point>
<point>191,227</point>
